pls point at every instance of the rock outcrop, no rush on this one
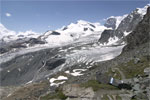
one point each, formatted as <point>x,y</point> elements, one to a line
<point>126,26</point>
<point>75,92</point>
<point>141,34</point>
<point>111,23</point>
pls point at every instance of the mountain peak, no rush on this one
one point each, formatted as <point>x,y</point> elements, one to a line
<point>143,10</point>
<point>82,22</point>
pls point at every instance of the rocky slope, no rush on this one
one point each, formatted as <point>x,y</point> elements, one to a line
<point>141,34</point>
<point>127,25</point>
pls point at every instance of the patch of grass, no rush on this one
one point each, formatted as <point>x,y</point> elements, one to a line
<point>130,69</point>
<point>58,95</point>
<point>96,86</point>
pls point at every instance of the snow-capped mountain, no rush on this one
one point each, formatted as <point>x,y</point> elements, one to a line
<point>124,26</point>
<point>82,26</point>
<point>72,32</point>
<point>11,40</point>
<point>7,35</point>
<point>5,32</point>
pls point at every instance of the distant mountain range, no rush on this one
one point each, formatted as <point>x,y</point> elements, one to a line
<point>115,28</point>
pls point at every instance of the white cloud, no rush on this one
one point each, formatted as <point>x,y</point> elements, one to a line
<point>8,14</point>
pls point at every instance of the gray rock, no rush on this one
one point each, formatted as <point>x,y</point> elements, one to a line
<point>127,24</point>
<point>147,71</point>
<point>136,60</point>
<point>75,92</point>
<point>137,87</point>
<point>111,23</point>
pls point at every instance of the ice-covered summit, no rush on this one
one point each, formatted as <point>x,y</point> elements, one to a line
<point>73,31</point>
<point>142,11</point>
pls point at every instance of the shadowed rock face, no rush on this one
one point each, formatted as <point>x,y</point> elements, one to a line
<point>106,35</point>
<point>53,63</point>
<point>127,24</point>
<point>111,23</point>
<point>141,34</point>
<point>55,33</point>
<point>65,28</point>
<point>34,41</point>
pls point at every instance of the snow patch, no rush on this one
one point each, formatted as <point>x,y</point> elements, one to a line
<point>126,33</point>
<point>76,72</point>
<point>29,82</point>
<point>19,69</point>
<point>143,11</point>
<point>88,67</point>
<point>60,78</point>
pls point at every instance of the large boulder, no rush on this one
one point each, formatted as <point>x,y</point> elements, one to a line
<point>75,92</point>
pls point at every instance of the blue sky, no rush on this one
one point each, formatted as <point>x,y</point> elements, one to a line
<point>40,16</point>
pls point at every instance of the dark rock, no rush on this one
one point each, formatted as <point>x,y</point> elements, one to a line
<point>124,86</point>
<point>141,33</point>
<point>106,34</point>
<point>136,60</point>
<point>34,41</point>
<point>127,24</point>
<point>92,25</point>
<point>55,33</point>
<point>53,63</point>
<point>111,23</point>
<point>65,28</point>
<point>91,29</point>
<point>85,29</point>
<point>3,50</point>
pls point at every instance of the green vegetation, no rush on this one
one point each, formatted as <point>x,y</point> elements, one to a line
<point>96,86</point>
<point>131,69</point>
<point>58,95</point>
